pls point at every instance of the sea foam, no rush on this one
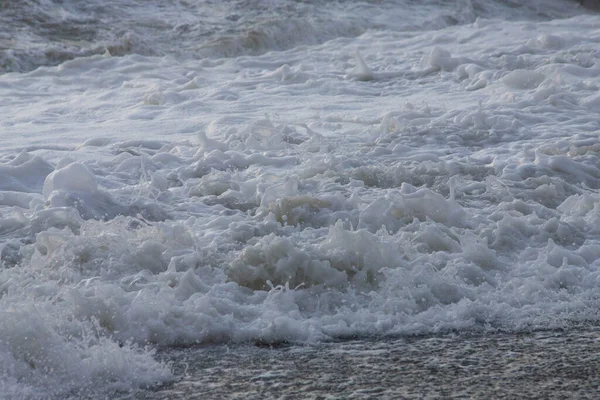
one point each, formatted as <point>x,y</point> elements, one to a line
<point>287,190</point>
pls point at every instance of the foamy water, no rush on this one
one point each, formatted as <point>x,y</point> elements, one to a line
<point>288,172</point>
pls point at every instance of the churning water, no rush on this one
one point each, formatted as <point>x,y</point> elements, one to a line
<point>180,180</point>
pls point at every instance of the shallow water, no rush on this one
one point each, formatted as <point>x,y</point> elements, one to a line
<point>538,365</point>
<point>194,173</point>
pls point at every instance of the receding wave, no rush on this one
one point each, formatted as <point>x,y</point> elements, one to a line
<point>39,34</point>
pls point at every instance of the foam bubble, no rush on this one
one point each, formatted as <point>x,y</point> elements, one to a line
<point>523,79</point>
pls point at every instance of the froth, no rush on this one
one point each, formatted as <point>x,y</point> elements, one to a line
<point>437,182</point>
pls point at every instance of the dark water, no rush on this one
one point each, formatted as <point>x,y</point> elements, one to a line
<point>539,365</point>
<point>36,33</point>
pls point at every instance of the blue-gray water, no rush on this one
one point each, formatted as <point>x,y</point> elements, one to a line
<point>46,32</point>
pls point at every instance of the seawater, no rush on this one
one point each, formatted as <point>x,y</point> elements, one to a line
<point>193,173</point>
<point>543,364</point>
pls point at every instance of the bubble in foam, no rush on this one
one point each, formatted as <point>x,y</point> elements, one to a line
<point>523,79</point>
<point>75,186</point>
<point>75,177</point>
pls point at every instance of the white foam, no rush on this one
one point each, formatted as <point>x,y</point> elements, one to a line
<point>523,79</point>
<point>361,71</point>
<point>145,201</point>
<point>24,174</point>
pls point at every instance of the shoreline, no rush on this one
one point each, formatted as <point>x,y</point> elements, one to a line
<point>541,364</point>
